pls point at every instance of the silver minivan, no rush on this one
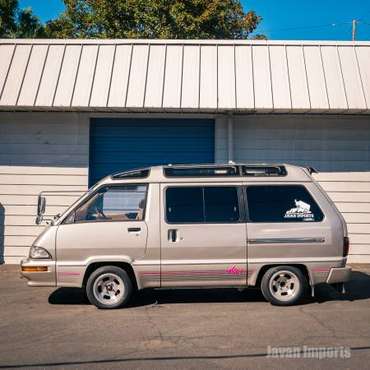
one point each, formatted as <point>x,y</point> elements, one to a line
<point>269,226</point>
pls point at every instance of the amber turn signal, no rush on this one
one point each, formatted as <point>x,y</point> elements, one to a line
<point>34,268</point>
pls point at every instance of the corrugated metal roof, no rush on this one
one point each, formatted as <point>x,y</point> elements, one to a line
<point>164,75</point>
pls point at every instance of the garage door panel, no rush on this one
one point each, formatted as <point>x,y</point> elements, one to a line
<point>123,144</point>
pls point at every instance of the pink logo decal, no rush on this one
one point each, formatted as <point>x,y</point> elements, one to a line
<point>234,270</point>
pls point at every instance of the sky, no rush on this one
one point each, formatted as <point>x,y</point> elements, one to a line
<point>282,19</point>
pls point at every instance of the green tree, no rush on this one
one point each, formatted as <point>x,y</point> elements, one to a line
<point>8,10</point>
<point>259,36</point>
<point>172,19</point>
<point>21,23</point>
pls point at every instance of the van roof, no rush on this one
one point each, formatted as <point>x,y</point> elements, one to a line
<point>220,172</point>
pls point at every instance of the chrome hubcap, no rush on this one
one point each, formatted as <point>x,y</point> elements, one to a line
<point>108,289</point>
<point>284,285</point>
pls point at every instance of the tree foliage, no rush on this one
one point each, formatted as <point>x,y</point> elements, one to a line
<point>165,19</point>
<point>15,22</point>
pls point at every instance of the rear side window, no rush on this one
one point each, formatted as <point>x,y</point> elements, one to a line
<point>218,204</point>
<point>282,203</point>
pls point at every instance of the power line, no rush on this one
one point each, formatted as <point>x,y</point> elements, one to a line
<point>354,22</point>
<point>305,28</point>
<point>354,27</point>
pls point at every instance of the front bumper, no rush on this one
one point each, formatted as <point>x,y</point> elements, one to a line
<point>38,278</point>
<point>339,275</point>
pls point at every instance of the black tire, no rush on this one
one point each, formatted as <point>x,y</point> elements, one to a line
<point>274,292</point>
<point>118,296</point>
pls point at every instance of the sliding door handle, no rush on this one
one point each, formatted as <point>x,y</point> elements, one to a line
<point>134,229</point>
<point>172,235</point>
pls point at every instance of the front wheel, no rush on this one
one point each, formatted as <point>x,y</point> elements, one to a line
<point>283,285</point>
<point>109,287</point>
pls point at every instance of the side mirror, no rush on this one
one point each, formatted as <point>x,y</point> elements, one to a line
<point>41,204</point>
<point>38,220</point>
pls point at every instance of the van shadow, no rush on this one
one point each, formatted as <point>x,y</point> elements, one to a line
<point>2,231</point>
<point>357,289</point>
<point>148,297</point>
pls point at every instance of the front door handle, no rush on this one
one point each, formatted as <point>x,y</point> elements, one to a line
<point>134,229</point>
<point>172,235</point>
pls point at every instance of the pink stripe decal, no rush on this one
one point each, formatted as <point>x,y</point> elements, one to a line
<point>68,273</point>
<point>195,272</point>
<point>321,269</point>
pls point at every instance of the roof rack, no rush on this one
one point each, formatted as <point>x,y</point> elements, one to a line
<point>312,170</point>
<point>201,171</point>
<point>223,170</point>
<point>260,170</point>
<point>134,174</point>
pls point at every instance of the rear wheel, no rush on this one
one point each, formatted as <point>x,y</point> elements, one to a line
<point>283,285</point>
<point>109,287</point>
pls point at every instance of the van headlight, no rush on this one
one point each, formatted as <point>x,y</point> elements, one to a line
<point>39,253</point>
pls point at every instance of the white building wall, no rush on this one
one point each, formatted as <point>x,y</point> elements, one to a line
<point>38,152</point>
<point>50,151</point>
<point>338,146</point>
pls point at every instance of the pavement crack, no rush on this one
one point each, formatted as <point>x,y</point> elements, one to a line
<point>320,322</point>
<point>152,324</point>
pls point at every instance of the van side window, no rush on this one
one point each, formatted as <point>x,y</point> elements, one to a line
<point>212,204</point>
<point>282,203</point>
<point>114,203</point>
<point>221,204</point>
<point>184,205</point>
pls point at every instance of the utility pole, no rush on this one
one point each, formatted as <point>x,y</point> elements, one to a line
<point>354,23</point>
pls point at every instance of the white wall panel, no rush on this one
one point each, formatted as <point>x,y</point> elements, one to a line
<point>23,176</point>
<point>138,73</point>
<point>190,79</point>
<point>298,78</point>
<point>173,77</point>
<point>154,83</point>
<point>6,52</point>
<point>226,77</point>
<point>102,78</point>
<point>334,79</point>
<point>208,77</point>
<point>120,75</point>
<point>358,229</point>
<point>50,75</point>
<point>85,76</point>
<point>280,78</point>
<point>221,140</point>
<point>67,77</point>
<point>33,75</point>
<point>15,76</point>
<point>316,78</point>
<point>363,57</point>
<point>351,77</point>
<point>262,78</point>
<point>244,77</point>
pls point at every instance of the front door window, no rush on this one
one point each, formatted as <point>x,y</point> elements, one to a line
<point>114,203</point>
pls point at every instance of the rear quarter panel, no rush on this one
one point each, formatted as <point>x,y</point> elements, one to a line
<point>317,256</point>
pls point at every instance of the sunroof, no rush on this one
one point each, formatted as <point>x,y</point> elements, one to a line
<point>263,171</point>
<point>212,171</point>
<point>135,174</point>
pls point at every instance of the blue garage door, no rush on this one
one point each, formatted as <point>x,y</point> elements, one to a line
<point>123,144</point>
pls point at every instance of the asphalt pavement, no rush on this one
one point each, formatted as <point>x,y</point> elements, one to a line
<point>183,329</point>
